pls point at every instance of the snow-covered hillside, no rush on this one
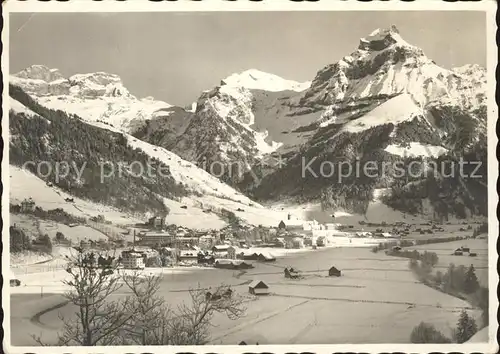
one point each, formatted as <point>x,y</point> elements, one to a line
<point>24,184</point>
<point>414,149</point>
<point>395,110</point>
<point>253,79</point>
<point>385,101</point>
<point>94,97</point>
<point>206,200</point>
<point>225,127</point>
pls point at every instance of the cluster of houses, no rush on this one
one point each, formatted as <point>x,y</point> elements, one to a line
<point>462,250</point>
<point>157,233</point>
<point>220,256</point>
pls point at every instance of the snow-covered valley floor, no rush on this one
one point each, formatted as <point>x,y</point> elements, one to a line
<point>376,299</point>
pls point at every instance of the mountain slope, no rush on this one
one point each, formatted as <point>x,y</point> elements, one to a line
<point>385,103</point>
<point>112,181</point>
<point>224,135</point>
<point>96,152</point>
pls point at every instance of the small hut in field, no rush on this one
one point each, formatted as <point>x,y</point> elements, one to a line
<point>258,287</point>
<point>334,272</point>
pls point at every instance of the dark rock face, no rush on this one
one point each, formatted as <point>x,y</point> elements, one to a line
<point>376,44</point>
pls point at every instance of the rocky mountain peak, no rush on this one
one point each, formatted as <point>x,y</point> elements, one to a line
<point>99,84</point>
<point>382,38</point>
<point>95,97</point>
<point>40,72</point>
<point>384,64</point>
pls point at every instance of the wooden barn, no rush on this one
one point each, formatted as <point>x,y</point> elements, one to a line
<point>334,272</point>
<point>266,257</point>
<point>258,287</point>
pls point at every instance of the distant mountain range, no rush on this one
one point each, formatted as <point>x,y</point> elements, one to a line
<point>386,101</point>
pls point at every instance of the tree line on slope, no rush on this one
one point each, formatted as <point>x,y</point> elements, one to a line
<point>65,138</point>
<point>456,281</point>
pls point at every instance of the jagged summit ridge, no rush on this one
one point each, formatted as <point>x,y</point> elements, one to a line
<point>382,38</point>
<point>384,64</point>
<point>40,72</point>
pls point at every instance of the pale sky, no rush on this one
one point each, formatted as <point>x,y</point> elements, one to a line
<point>175,56</point>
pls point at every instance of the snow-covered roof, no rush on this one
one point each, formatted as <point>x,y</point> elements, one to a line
<point>188,253</point>
<point>229,261</point>
<point>266,255</point>
<point>258,284</point>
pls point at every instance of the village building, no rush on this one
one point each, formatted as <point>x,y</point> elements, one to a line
<point>157,222</point>
<point>85,244</point>
<point>27,205</point>
<point>272,233</point>
<point>168,251</point>
<point>185,242</point>
<point>265,257</point>
<point>258,287</point>
<point>363,234</point>
<point>249,256</point>
<point>205,258</point>
<point>334,272</point>
<point>13,281</point>
<point>156,238</point>
<point>240,244</point>
<point>206,242</point>
<point>132,260</point>
<point>188,257</point>
<point>281,226</point>
<point>331,226</point>
<point>220,251</point>
<point>297,242</point>
<point>232,264</point>
<point>280,242</point>
<point>231,252</point>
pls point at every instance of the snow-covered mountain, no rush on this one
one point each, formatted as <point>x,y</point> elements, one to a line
<point>386,80</point>
<point>226,128</point>
<point>94,97</point>
<point>386,101</point>
<point>385,64</point>
<point>254,79</point>
<point>194,197</point>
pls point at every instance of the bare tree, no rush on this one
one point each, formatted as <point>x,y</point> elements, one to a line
<point>150,324</point>
<point>156,323</point>
<point>97,317</point>
<point>139,316</point>
<point>194,319</point>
